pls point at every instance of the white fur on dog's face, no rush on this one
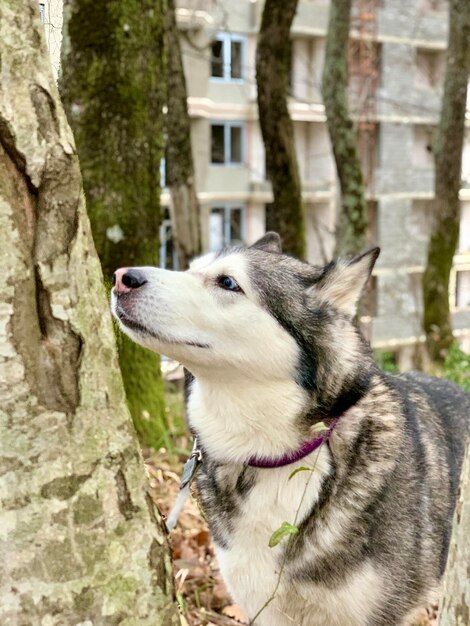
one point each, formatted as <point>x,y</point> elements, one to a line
<point>189,317</point>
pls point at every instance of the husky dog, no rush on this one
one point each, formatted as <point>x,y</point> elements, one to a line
<point>274,352</point>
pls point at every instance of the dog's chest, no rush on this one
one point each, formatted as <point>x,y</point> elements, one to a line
<point>249,566</point>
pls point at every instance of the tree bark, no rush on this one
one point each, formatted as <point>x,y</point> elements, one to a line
<point>113,87</point>
<point>448,145</point>
<point>351,230</point>
<point>272,77</point>
<point>80,541</point>
<point>184,206</point>
<point>455,605</point>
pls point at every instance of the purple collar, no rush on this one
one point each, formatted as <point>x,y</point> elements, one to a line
<point>291,457</point>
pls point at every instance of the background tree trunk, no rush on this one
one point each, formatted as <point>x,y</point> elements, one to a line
<point>272,77</point>
<point>184,207</point>
<point>351,230</point>
<point>80,541</point>
<point>455,605</point>
<point>113,87</point>
<point>448,145</point>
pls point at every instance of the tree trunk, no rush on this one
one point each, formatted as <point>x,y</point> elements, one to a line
<point>113,87</point>
<point>272,78</point>
<point>351,230</point>
<point>80,541</point>
<point>455,605</point>
<point>448,145</point>
<point>184,207</point>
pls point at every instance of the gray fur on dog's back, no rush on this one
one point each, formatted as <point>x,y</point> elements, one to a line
<point>395,480</point>
<point>448,422</point>
<point>451,404</point>
<point>417,503</point>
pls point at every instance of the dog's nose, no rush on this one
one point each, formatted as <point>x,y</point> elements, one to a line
<point>125,279</point>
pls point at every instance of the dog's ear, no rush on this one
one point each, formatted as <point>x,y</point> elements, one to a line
<point>343,280</point>
<point>271,242</point>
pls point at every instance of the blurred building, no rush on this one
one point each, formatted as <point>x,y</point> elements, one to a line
<point>397,63</point>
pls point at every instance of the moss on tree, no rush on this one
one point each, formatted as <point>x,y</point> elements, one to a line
<point>351,230</point>
<point>272,76</point>
<point>144,391</point>
<point>113,87</point>
<point>76,522</point>
<point>184,208</point>
<point>448,146</point>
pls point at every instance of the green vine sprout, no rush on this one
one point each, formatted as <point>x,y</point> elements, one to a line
<point>289,530</point>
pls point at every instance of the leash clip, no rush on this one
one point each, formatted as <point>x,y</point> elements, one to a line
<point>189,471</point>
<point>191,466</point>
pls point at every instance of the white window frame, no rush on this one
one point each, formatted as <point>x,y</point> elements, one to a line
<point>165,235</point>
<point>458,270</point>
<point>228,207</point>
<point>463,246</point>
<point>228,125</point>
<point>227,39</point>
<point>42,12</point>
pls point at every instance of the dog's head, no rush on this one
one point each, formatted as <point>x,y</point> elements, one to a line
<point>247,312</point>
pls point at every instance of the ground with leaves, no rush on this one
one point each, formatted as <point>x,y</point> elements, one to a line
<point>201,594</point>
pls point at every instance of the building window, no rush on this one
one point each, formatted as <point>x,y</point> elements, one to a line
<point>464,237</point>
<point>369,302</point>
<point>368,142</point>
<point>422,154</point>
<point>228,53</point>
<point>168,254</point>
<point>42,12</point>
<point>429,68</point>
<point>372,222</point>
<point>415,292</point>
<point>466,153</point>
<point>462,289</point>
<point>226,226</point>
<point>425,6</point>
<point>227,143</point>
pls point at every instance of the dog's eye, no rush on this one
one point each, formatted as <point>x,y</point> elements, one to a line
<point>228,283</point>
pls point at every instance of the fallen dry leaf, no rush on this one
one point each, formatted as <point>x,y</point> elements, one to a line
<point>234,611</point>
